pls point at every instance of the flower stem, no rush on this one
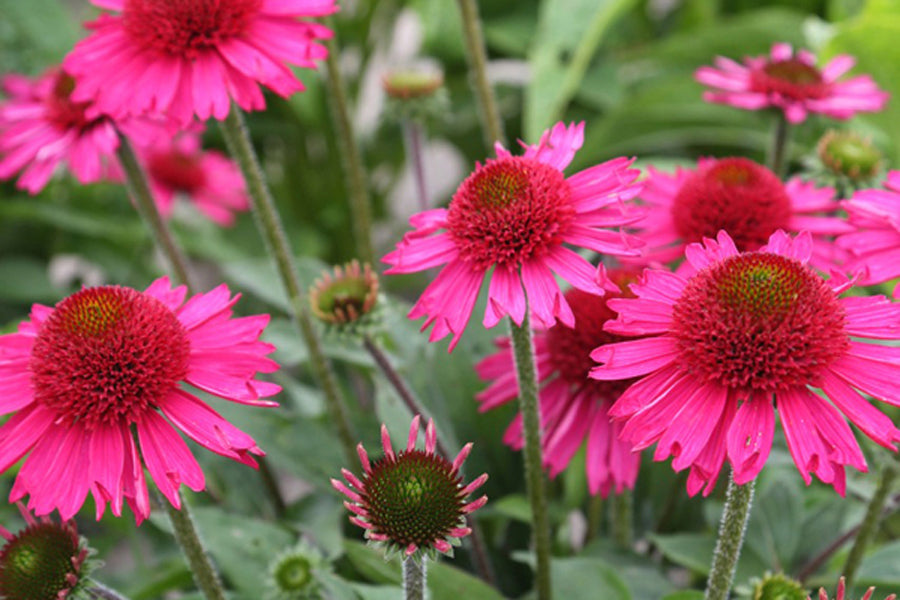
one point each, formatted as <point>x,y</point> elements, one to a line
<point>870,522</point>
<point>776,155</point>
<point>477,56</point>
<point>136,182</point>
<point>268,221</point>
<point>360,205</point>
<point>622,517</point>
<point>526,375</point>
<point>412,134</point>
<point>414,576</point>
<point>95,589</point>
<point>731,538</point>
<point>205,575</point>
<point>594,517</point>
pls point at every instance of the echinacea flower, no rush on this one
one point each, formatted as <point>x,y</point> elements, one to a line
<point>345,295</point>
<point>293,574</point>
<point>412,500</point>
<point>44,561</point>
<point>573,407</point>
<point>43,129</point>
<point>101,373</point>
<point>741,197</point>
<point>179,166</point>
<point>183,58</point>
<point>737,335</point>
<point>792,83</point>
<point>515,214</point>
<point>875,245</point>
<point>842,590</point>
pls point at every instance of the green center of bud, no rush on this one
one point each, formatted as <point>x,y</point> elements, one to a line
<point>293,573</point>
<point>778,587</point>
<point>414,498</point>
<point>412,83</point>
<point>345,294</point>
<point>848,153</point>
<point>37,564</point>
<point>793,71</point>
<point>762,284</point>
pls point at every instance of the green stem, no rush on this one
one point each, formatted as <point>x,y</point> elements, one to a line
<point>594,517</point>
<point>731,538</point>
<point>412,134</point>
<point>869,524</point>
<point>526,375</point>
<point>778,150</point>
<point>622,518</point>
<point>414,575</point>
<point>205,575</point>
<point>477,56</point>
<point>136,182</point>
<point>351,159</point>
<point>95,589</point>
<point>269,224</point>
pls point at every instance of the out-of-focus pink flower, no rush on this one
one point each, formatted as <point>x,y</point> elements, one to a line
<point>792,83</point>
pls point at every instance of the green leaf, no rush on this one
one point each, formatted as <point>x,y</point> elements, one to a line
<point>881,568</point>
<point>574,577</point>
<point>569,33</point>
<point>685,595</point>
<point>29,281</point>
<point>641,574</point>
<point>772,530</point>
<point>695,550</point>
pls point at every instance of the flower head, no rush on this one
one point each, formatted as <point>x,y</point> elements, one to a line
<point>193,57</point>
<point>42,129</point>
<point>740,197</point>
<point>842,589</point>
<point>411,500</point>
<point>737,334</point>
<point>573,407</point>
<point>180,167</point>
<point>44,561</point>
<point>514,214</point>
<point>848,154</point>
<point>777,587</point>
<point>792,83</point>
<point>345,295</point>
<point>875,245</point>
<point>292,574</point>
<point>108,362</point>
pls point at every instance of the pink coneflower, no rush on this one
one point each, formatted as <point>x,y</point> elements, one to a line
<point>738,333</point>
<point>842,590</point>
<point>741,197</point>
<point>514,213</point>
<point>411,500</point>
<point>184,58</point>
<point>42,129</point>
<point>875,246</point>
<point>107,362</point>
<point>180,167</point>
<point>793,83</point>
<point>573,407</point>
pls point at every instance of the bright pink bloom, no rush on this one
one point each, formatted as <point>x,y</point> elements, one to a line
<point>875,246</point>
<point>193,57</point>
<point>738,333</point>
<point>573,407</point>
<point>107,363</point>
<point>180,167</point>
<point>515,213</point>
<point>42,129</point>
<point>793,83</point>
<point>741,197</point>
<point>411,500</point>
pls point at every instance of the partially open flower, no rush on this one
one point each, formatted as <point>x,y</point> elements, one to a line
<point>44,561</point>
<point>416,81</point>
<point>347,294</point>
<point>411,500</point>
<point>842,589</point>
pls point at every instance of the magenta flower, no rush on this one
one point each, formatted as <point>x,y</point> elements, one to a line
<point>875,245</point>
<point>193,58</point>
<point>842,590</point>
<point>180,167</point>
<point>411,500</point>
<point>515,213</point>
<point>43,129</point>
<point>573,407</point>
<point>741,197</point>
<point>108,362</point>
<point>793,83</point>
<point>735,335</point>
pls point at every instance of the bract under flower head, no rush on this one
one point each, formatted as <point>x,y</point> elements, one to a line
<point>412,501</point>
<point>735,334</point>
<point>573,407</point>
<point>183,58</point>
<point>792,83</point>
<point>516,214</point>
<point>106,362</point>
<point>44,561</point>
<point>741,197</point>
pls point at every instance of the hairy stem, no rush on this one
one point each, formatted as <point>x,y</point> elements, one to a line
<point>731,539</point>
<point>414,575</point>
<point>621,519</point>
<point>205,575</point>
